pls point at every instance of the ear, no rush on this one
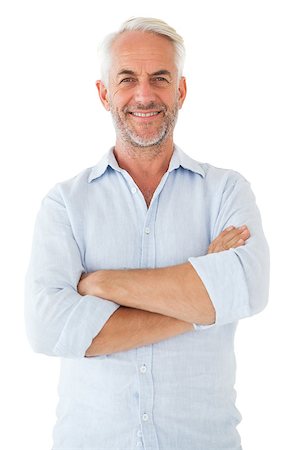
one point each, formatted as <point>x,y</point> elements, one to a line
<point>181,91</point>
<point>103,94</point>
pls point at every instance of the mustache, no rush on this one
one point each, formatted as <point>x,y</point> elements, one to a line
<point>140,106</point>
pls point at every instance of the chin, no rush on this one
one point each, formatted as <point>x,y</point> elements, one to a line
<point>147,142</point>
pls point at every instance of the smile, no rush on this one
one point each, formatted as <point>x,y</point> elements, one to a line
<point>150,114</point>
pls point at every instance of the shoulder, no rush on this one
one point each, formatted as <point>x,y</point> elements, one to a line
<point>224,185</point>
<point>220,176</point>
<point>210,174</point>
<point>74,187</point>
<point>220,183</point>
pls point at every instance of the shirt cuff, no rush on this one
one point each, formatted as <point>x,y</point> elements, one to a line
<point>85,322</point>
<point>223,276</point>
<point>198,327</point>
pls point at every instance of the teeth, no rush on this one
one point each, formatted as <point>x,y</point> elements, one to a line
<point>145,115</point>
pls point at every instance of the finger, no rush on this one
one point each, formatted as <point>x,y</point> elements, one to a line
<point>237,240</point>
<point>233,244</point>
<point>230,231</point>
<point>231,234</point>
<point>227,230</point>
<point>243,234</point>
<point>231,227</point>
<point>239,243</point>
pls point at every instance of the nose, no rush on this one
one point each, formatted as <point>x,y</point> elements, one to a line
<point>144,92</point>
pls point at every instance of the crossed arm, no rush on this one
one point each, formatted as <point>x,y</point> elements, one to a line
<point>180,299</point>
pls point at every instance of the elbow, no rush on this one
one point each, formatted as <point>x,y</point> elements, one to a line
<point>40,332</point>
<point>43,338</point>
<point>38,346</point>
<point>38,337</point>
<point>259,299</point>
<point>42,326</point>
<point>56,320</point>
<point>259,284</point>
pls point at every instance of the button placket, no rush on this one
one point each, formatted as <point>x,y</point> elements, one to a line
<point>144,361</point>
<point>144,354</point>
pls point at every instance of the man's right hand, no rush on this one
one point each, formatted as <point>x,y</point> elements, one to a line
<point>231,237</point>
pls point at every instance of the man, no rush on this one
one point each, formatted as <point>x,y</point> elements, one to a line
<point>141,268</point>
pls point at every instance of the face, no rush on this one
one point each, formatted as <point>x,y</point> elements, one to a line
<point>144,93</point>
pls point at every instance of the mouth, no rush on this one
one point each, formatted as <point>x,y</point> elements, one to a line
<point>145,115</point>
<point>149,114</point>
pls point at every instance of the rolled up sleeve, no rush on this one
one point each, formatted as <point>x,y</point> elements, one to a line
<point>59,321</point>
<point>237,280</point>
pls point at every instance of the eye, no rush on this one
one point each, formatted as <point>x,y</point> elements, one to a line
<point>160,80</point>
<point>127,80</point>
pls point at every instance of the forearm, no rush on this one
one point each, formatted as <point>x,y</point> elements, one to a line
<point>129,328</point>
<point>174,291</point>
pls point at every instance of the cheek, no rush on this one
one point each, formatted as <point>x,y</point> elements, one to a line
<point>171,97</point>
<point>119,102</point>
<point>119,96</point>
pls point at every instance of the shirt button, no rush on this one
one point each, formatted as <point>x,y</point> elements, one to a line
<point>145,417</point>
<point>139,433</point>
<point>147,230</point>
<point>143,369</point>
<point>139,444</point>
<point>133,190</point>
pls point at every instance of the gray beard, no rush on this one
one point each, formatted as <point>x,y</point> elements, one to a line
<point>130,136</point>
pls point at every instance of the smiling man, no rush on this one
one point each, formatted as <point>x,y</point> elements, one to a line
<point>141,268</point>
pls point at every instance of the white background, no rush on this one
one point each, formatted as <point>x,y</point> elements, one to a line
<point>241,112</point>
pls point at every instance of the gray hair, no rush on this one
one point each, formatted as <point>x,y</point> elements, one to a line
<point>147,24</point>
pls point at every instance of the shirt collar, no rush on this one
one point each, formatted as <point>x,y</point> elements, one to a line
<point>179,158</point>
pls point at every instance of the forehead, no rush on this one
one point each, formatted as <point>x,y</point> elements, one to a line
<point>135,48</point>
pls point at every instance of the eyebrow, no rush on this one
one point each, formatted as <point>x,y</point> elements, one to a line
<point>126,72</point>
<point>162,72</point>
<point>131,72</point>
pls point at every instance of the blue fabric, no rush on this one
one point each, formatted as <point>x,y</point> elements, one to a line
<point>177,394</point>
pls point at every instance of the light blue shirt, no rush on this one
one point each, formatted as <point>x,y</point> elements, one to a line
<point>177,394</point>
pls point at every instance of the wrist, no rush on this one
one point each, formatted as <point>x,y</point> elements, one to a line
<point>90,284</point>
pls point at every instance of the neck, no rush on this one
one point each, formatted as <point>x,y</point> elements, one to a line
<point>144,162</point>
